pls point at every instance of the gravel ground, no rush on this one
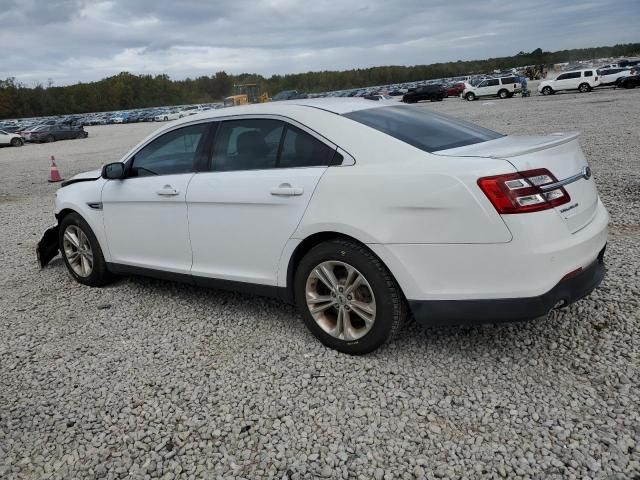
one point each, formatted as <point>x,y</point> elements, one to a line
<point>149,379</point>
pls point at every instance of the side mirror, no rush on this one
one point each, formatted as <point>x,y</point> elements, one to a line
<point>113,171</point>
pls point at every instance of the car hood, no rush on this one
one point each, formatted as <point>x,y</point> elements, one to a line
<point>93,174</point>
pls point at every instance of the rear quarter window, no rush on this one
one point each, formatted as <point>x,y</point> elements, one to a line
<point>421,128</point>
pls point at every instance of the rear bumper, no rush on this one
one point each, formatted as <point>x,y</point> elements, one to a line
<point>461,312</point>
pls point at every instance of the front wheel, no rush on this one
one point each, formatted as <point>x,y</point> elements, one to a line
<point>584,88</point>
<point>547,91</point>
<point>348,298</point>
<point>470,96</point>
<point>50,138</point>
<point>81,252</point>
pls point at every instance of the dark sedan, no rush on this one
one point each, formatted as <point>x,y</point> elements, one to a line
<point>434,93</point>
<point>51,133</point>
<point>631,81</point>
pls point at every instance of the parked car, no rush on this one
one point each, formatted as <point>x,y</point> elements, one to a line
<point>356,211</point>
<point>581,80</point>
<point>284,95</point>
<point>433,93</point>
<point>502,87</point>
<point>378,97</point>
<point>13,139</point>
<point>632,81</point>
<point>52,133</point>
<point>170,115</point>
<point>610,76</point>
<point>455,89</point>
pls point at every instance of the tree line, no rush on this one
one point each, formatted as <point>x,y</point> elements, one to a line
<point>127,91</point>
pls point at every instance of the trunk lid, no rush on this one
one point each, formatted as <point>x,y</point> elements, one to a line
<point>559,153</point>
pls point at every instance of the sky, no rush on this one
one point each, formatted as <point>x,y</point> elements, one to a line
<point>68,41</point>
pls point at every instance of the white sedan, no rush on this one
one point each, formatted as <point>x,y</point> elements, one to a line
<point>12,139</point>
<point>163,117</point>
<point>359,212</point>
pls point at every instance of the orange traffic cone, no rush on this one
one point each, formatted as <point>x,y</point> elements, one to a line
<point>54,173</point>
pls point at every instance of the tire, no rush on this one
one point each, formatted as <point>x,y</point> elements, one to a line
<point>80,135</point>
<point>470,96</point>
<point>96,274</point>
<point>17,142</point>
<point>166,118</point>
<point>379,295</point>
<point>584,88</point>
<point>50,138</point>
<point>503,94</point>
<point>547,91</point>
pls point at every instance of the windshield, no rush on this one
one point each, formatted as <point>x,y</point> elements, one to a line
<point>422,128</point>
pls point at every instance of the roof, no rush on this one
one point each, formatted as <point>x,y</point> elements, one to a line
<point>339,106</point>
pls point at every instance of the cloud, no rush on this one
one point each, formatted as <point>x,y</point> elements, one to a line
<point>84,40</point>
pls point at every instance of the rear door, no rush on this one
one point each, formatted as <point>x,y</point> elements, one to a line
<point>244,209</point>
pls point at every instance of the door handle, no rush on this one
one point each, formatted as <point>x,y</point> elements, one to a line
<point>167,191</point>
<point>286,190</point>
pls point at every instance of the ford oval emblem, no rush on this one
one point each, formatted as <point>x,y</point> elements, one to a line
<point>586,173</point>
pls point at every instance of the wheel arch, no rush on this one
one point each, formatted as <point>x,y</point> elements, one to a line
<point>93,218</point>
<point>310,242</point>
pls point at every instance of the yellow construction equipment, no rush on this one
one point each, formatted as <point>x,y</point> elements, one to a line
<point>251,91</point>
<point>235,100</point>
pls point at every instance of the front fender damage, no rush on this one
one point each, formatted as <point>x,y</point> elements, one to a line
<point>48,246</point>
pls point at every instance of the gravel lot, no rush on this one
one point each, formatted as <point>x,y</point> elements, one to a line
<point>149,379</point>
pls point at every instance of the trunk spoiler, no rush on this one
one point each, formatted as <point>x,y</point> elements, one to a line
<point>510,146</point>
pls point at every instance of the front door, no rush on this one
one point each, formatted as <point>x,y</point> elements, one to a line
<point>145,215</point>
<point>245,208</point>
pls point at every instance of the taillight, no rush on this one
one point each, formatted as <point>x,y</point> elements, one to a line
<point>522,192</point>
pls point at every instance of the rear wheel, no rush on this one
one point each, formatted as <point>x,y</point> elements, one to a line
<point>547,91</point>
<point>81,252</point>
<point>503,94</point>
<point>470,96</point>
<point>584,88</point>
<point>348,298</point>
<point>17,142</point>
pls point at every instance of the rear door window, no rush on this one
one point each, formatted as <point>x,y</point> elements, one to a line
<point>259,144</point>
<point>300,149</point>
<point>588,73</point>
<point>247,144</point>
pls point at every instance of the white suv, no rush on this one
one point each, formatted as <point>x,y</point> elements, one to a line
<point>581,80</point>
<point>503,87</point>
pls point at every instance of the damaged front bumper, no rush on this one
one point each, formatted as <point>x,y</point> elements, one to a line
<point>48,246</point>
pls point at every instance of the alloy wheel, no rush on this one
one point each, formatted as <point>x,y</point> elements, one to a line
<point>340,300</point>
<point>77,250</point>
